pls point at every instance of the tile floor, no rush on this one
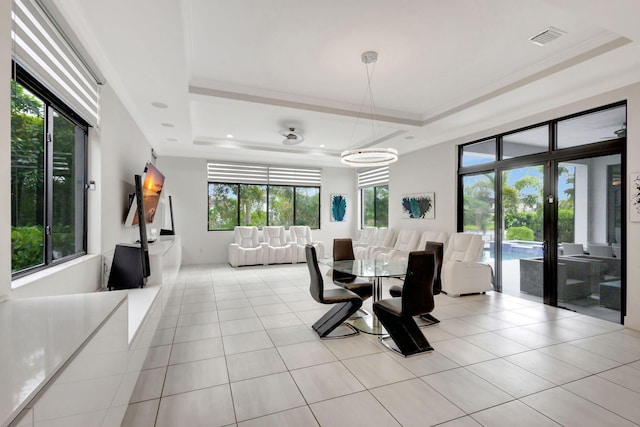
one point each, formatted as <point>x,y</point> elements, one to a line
<point>235,348</point>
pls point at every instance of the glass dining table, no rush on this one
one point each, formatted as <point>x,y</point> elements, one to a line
<point>376,269</point>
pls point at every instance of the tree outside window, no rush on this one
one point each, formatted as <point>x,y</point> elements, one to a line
<point>375,206</point>
<point>281,205</point>
<point>231,205</point>
<point>45,229</point>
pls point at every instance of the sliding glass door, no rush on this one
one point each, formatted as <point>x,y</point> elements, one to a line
<point>548,202</point>
<point>522,222</point>
<point>589,229</point>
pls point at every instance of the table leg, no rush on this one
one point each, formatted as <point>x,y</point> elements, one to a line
<point>370,324</point>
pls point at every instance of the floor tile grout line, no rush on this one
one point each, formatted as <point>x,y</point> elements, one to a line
<point>259,317</point>
<point>593,402</point>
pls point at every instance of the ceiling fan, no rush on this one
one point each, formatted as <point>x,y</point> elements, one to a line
<point>622,132</point>
<point>619,133</point>
<point>291,136</point>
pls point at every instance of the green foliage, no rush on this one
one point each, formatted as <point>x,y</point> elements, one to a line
<point>368,204</point>
<point>479,199</point>
<point>228,202</point>
<point>27,157</point>
<point>521,202</point>
<point>253,203</point>
<point>566,225</point>
<point>223,206</point>
<point>382,206</point>
<point>375,206</point>
<point>520,233</point>
<point>308,207</point>
<point>64,240</point>
<point>27,246</point>
<point>281,205</point>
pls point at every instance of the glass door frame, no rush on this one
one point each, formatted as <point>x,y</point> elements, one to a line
<point>550,159</point>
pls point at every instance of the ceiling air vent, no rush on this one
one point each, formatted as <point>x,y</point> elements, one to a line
<point>546,36</point>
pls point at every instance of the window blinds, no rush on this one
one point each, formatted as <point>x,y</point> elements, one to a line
<point>262,174</point>
<point>373,177</point>
<point>42,49</point>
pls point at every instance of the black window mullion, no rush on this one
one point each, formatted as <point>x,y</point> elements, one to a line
<point>48,188</point>
<point>238,202</point>
<point>375,207</point>
<point>497,227</point>
<point>295,197</point>
<point>268,209</point>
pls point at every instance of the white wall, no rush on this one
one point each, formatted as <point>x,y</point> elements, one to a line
<point>633,228</point>
<point>429,170</point>
<point>5,148</point>
<point>124,151</point>
<point>186,181</point>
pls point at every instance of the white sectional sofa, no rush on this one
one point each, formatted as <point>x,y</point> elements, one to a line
<point>462,271</point>
<point>385,238</point>
<point>425,236</point>
<point>249,248</point>
<point>406,241</point>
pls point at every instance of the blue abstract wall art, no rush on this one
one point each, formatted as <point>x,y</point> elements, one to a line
<point>338,207</point>
<point>421,206</point>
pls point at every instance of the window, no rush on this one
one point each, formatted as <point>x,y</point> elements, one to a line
<point>262,195</point>
<point>307,202</point>
<point>48,169</point>
<point>523,143</point>
<point>374,197</point>
<point>479,152</point>
<point>375,206</point>
<point>54,98</point>
<point>281,205</point>
<point>554,185</point>
<point>599,126</point>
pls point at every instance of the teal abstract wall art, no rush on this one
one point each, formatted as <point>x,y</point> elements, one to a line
<point>338,207</point>
<point>421,206</point>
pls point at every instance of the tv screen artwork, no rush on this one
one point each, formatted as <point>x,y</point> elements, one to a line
<point>151,190</point>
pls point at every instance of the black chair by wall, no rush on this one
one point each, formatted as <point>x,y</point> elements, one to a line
<point>342,251</point>
<point>345,302</point>
<point>396,314</point>
<point>438,249</point>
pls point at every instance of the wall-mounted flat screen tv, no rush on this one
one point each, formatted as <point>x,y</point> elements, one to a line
<point>151,191</point>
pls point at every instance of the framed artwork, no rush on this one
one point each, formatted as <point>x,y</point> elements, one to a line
<point>338,207</point>
<point>634,190</point>
<point>420,206</point>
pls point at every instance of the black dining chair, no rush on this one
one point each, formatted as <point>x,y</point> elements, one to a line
<point>396,314</point>
<point>438,249</point>
<point>343,250</point>
<point>344,302</point>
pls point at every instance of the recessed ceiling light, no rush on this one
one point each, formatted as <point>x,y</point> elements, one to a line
<point>229,136</point>
<point>322,145</point>
<point>159,104</point>
<point>167,125</point>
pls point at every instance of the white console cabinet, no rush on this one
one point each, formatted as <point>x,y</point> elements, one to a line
<point>73,360</point>
<point>64,359</point>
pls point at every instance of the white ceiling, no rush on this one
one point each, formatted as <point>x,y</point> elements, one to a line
<point>446,69</point>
